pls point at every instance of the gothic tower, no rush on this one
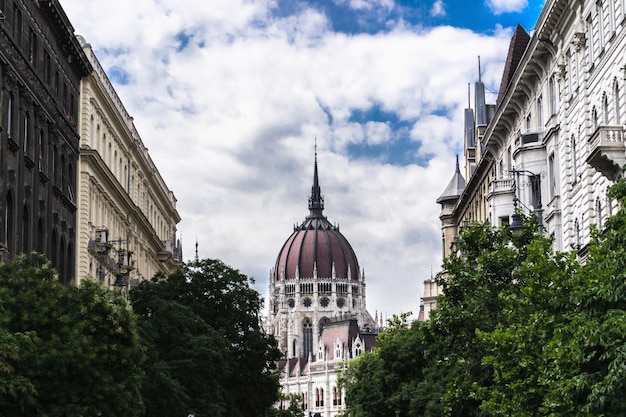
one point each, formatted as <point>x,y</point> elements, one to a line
<point>316,281</point>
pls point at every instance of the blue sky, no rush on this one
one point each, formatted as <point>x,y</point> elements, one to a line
<point>231,95</point>
<point>479,16</point>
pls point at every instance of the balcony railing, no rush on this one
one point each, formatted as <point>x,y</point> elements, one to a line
<point>606,151</point>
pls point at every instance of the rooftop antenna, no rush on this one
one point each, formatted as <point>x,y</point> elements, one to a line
<point>479,73</point>
<point>469,100</point>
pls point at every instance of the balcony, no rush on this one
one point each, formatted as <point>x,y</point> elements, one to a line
<point>606,151</point>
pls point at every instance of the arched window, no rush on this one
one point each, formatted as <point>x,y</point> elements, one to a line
<point>293,349</point>
<point>25,231</point>
<point>307,337</point>
<point>40,236</point>
<point>577,233</point>
<point>53,250</point>
<point>357,349</point>
<point>9,222</point>
<point>69,269</point>
<point>540,112</point>
<point>594,118</point>
<point>553,95</point>
<point>61,265</point>
<point>599,219</point>
<point>605,109</point>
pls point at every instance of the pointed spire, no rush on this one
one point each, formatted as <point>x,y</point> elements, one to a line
<point>455,187</point>
<point>316,201</point>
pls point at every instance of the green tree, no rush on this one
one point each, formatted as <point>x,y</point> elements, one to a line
<point>205,344</point>
<point>75,349</point>
<point>386,382</point>
<point>294,409</point>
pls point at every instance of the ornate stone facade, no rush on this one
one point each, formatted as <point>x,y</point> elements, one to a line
<point>554,141</point>
<point>317,310</point>
<point>41,64</point>
<point>127,215</point>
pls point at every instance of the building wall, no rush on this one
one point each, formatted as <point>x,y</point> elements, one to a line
<point>561,121</point>
<point>120,191</point>
<point>41,65</point>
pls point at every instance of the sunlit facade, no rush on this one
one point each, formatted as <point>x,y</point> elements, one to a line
<point>127,215</point>
<point>553,143</point>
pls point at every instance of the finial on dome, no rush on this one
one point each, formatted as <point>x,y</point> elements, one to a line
<point>316,201</point>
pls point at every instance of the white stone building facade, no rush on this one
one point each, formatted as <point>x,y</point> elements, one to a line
<point>553,143</point>
<point>127,216</point>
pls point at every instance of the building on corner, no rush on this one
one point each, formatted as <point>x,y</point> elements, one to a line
<point>553,143</point>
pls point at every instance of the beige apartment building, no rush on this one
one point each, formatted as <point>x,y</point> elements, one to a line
<point>553,142</point>
<point>127,217</point>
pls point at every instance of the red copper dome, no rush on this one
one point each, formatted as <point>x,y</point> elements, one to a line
<point>316,248</point>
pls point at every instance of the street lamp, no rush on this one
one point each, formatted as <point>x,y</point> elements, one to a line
<point>101,246</point>
<point>535,183</point>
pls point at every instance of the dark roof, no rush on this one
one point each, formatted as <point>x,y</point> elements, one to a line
<point>455,187</point>
<point>517,47</point>
<point>316,248</point>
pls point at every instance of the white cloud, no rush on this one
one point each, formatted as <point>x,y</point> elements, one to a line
<point>438,9</point>
<point>368,4</point>
<point>231,118</point>
<point>506,6</point>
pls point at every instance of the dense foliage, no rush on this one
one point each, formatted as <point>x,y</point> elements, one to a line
<point>207,353</point>
<point>188,344</point>
<point>521,330</point>
<point>65,351</point>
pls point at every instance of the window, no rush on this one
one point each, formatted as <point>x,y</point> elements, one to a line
<point>17,25</point>
<point>26,144</point>
<point>592,52</point>
<point>605,109</point>
<point>535,186</point>
<point>577,234</point>
<point>552,176</point>
<point>9,223</point>
<point>33,48</point>
<point>574,158</point>
<point>10,112</point>
<point>617,103</point>
<point>40,149</point>
<point>307,337</point>
<point>594,118</point>
<point>336,396</point>
<point>570,78</point>
<point>600,14</point>
<point>25,231</point>
<point>47,67</point>
<point>599,218</point>
<point>540,113</point>
<point>612,16</point>
<point>553,96</point>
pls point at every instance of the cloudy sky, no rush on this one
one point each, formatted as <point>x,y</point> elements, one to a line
<point>230,95</point>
